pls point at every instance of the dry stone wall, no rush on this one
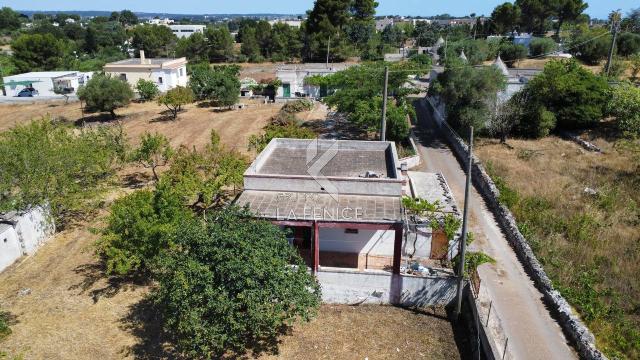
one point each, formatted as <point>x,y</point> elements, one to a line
<point>578,333</point>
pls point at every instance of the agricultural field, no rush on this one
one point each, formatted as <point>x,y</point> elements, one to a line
<point>580,212</point>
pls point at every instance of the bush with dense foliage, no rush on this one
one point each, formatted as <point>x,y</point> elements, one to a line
<point>219,84</point>
<point>231,284</point>
<point>176,98</point>
<point>542,46</point>
<point>272,131</point>
<point>137,229</point>
<point>512,53</point>
<point>103,93</point>
<point>49,163</point>
<point>628,44</point>
<point>625,106</point>
<point>468,92</point>
<point>147,89</point>
<point>590,46</point>
<point>572,93</point>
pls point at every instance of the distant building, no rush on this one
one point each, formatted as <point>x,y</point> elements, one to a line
<point>293,84</point>
<point>167,73</point>
<point>183,31</point>
<point>165,21</point>
<point>293,23</point>
<point>44,82</point>
<point>383,23</point>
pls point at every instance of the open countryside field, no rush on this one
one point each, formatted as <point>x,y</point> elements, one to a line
<point>580,212</point>
<point>192,128</point>
<point>61,295</point>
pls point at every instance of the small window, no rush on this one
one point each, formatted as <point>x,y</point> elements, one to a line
<point>350,231</point>
<point>123,77</point>
<point>180,71</point>
<point>160,80</point>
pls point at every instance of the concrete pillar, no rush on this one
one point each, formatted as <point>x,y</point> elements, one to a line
<point>316,247</point>
<point>397,249</point>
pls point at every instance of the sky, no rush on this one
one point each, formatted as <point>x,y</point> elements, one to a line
<point>597,8</point>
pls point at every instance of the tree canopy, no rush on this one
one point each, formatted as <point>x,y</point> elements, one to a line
<point>155,40</point>
<point>104,93</point>
<point>231,284</point>
<point>37,52</point>
<point>219,84</point>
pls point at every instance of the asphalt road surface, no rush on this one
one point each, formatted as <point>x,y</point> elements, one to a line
<point>532,332</point>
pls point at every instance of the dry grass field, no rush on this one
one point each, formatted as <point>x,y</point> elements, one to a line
<point>192,128</point>
<point>580,211</point>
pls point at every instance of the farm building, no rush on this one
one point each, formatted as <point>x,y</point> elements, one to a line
<point>293,76</point>
<point>44,82</point>
<point>341,203</point>
<point>167,73</point>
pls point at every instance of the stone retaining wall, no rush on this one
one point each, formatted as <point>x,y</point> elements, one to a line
<point>578,333</point>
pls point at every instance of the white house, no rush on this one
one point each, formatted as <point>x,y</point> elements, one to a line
<point>292,78</point>
<point>292,23</point>
<point>166,73</point>
<point>182,31</point>
<point>45,82</point>
<point>383,23</point>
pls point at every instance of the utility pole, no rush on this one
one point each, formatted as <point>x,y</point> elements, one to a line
<point>383,127</point>
<point>328,43</point>
<point>615,23</point>
<point>463,241</point>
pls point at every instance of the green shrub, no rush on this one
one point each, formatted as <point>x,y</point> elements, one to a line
<point>590,46</point>
<point>5,330</point>
<point>229,287</point>
<point>147,89</point>
<point>136,230</point>
<point>574,95</point>
<point>272,131</point>
<point>297,106</point>
<point>628,44</point>
<point>541,46</point>
<point>511,53</point>
<point>625,106</point>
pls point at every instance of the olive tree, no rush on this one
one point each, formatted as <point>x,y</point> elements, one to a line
<point>625,106</point>
<point>175,98</point>
<point>104,93</point>
<point>231,284</point>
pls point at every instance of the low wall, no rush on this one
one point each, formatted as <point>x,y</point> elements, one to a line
<point>412,161</point>
<point>23,233</point>
<point>343,286</point>
<point>577,332</point>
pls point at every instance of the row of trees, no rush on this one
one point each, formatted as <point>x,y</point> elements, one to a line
<point>535,16</point>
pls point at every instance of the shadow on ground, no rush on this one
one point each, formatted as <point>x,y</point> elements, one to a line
<point>97,284</point>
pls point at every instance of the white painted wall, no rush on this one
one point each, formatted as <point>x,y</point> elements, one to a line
<point>342,286</point>
<point>9,246</point>
<point>27,232</point>
<point>373,242</point>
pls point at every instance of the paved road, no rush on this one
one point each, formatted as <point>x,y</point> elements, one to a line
<point>533,334</point>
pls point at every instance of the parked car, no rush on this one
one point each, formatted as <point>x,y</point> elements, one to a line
<point>27,92</point>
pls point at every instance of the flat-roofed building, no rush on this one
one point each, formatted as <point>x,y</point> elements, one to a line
<point>183,31</point>
<point>167,73</point>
